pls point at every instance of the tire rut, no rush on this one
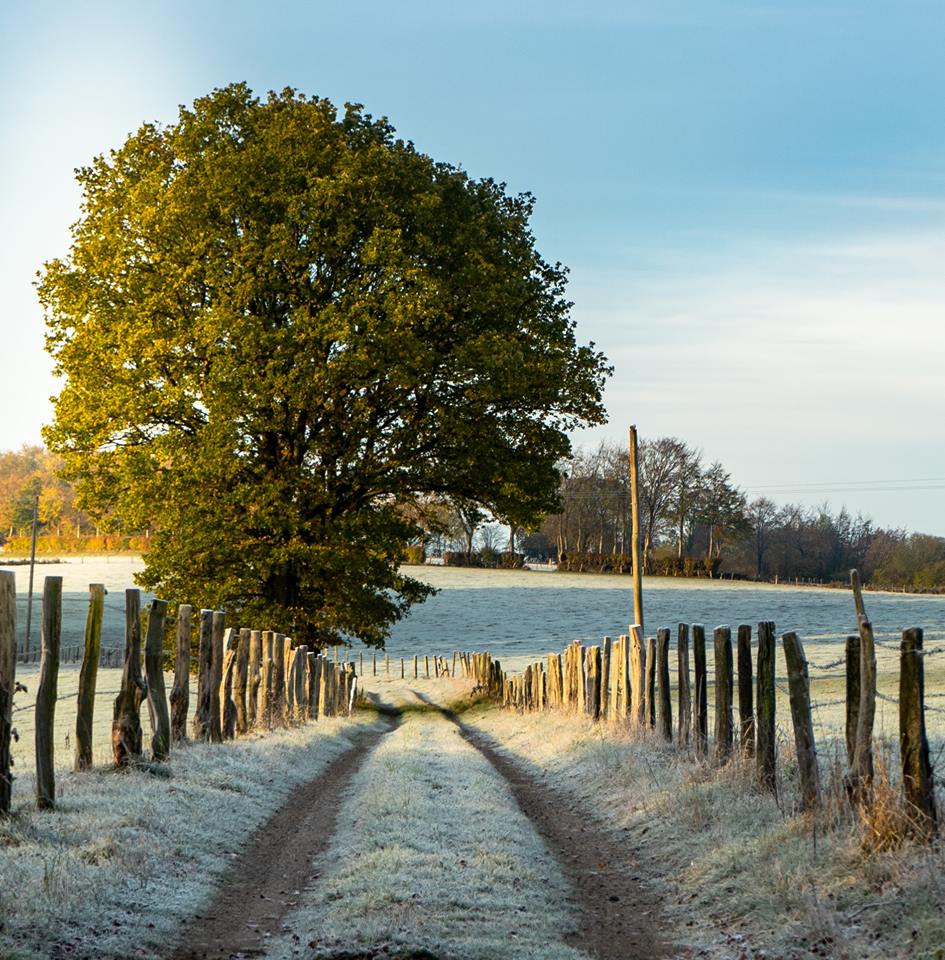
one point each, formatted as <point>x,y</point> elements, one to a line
<point>618,914</point>
<point>265,880</point>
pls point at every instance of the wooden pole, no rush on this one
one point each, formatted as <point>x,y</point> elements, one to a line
<point>702,695</point>
<point>853,695</point>
<point>47,691</point>
<point>180,691</point>
<point>216,675</point>
<point>663,697</point>
<point>154,671</point>
<point>29,595</point>
<point>746,707</point>
<point>605,677</point>
<point>635,530</point>
<point>201,723</point>
<point>685,690</point>
<point>724,680</point>
<point>634,669</point>
<point>861,773</point>
<point>918,784</point>
<point>277,695</point>
<point>7,684</point>
<point>766,746</point>
<point>650,689</point>
<point>231,639</point>
<point>241,680</point>
<point>799,685</point>
<point>88,677</point>
<point>593,683</point>
<point>126,722</point>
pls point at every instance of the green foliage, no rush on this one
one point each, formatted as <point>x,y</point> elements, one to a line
<point>277,325</point>
<point>414,554</point>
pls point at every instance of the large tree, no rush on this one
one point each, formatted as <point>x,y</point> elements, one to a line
<point>277,325</point>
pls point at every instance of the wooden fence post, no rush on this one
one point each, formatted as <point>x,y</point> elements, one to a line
<point>264,707</point>
<point>180,692</point>
<point>47,690</point>
<point>605,678</point>
<point>724,678</point>
<point>154,671</point>
<point>861,772</point>
<point>799,685</point>
<point>201,723</point>
<point>685,690</point>
<point>216,676</point>
<point>126,723</point>
<point>852,663</point>
<point>635,673</point>
<point>231,639</point>
<point>416,667</point>
<point>650,695</point>
<point>663,699</point>
<point>918,784</point>
<point>8,654</point>
<point>241,680</point>
<point>702,694</point>
<point>253,677</point>
<point>88,678</point>
<point>765,753</point>
<point>277,676</point>
<point>746,707</point>
<point>426,662</point>
<point>580,676</point>
<point>593,683</point>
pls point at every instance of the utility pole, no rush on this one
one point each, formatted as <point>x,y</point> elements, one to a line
<point>635,532</point>
<point>29,599</point>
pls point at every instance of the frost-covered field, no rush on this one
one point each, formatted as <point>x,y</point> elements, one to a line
<point>126,856</point>
<point>433,853</point>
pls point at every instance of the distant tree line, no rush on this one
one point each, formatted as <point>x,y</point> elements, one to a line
<point>695,521</point>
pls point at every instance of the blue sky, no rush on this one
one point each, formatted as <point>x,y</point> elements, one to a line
<point>750,196</point>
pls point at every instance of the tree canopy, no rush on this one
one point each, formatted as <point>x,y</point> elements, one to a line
<point>277,325</point>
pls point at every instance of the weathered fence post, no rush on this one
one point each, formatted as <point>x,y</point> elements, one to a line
<point>216,676</point>
<point>241,680</point>
<point>918,784</point>
<point>264,707</point>
<point>746,708</point>
<point>231,639</point>
<point>634,670</point>
<point>253,677</point>
<point>7,684</point>
<point>702,694</point>
<point>126,723</point>
<point>685,690</point>
<point>180,691</point>
<point>201,723</point>
<point>799,686</point>
<point>650,695</point>
<point>765,752</point>
<point>277,676</point>
<point>47,690</point>
<point>593,683</point>
<point>663,697</point>
<point>605,678</point>
<point>861,772</point>
<point>88,677</point>
<point>724,678</point>
<point>853,695</point>
<point>580,675</point>
<point>154,671</point>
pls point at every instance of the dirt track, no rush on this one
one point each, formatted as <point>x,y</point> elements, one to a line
<point>265,880</point>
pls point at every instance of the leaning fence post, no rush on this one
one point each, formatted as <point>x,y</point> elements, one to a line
<point>154,670</point>
<point>918,784</point>
<point>180,691</point>
<point>702,695</point>
<point>231,639</point>
<point>765,747</point>
<point>126,722</point>
<point>799,686</point>
<point>88,677</point>
<point>47,690</point>
<point>723,693</point>
<point>7,683</point>
<point>685,691</point>
<point>746,709</point>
